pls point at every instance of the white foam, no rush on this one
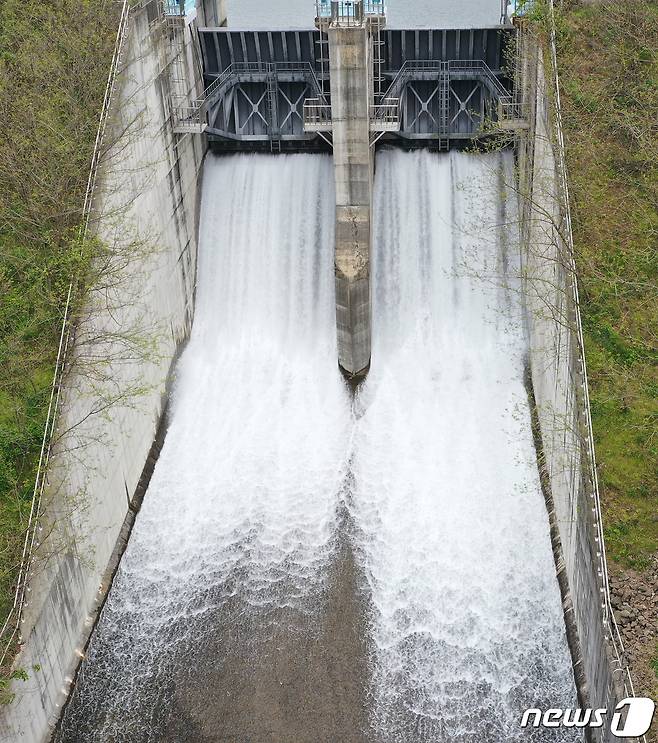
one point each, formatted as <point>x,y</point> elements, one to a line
<point>243,498</point>
<point>244,502</point>
<point>467,617</point>
<point>251,466</point>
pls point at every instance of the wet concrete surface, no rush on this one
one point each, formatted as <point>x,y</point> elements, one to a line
<point>290,678</point>
<point>237,673</point>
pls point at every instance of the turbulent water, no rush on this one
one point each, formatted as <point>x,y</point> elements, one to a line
<point>467,618</point>
<point>313,567</point>
<point>239,520</point>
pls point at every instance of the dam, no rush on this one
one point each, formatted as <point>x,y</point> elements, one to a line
<point>359,521</point>
<point>283,515</point>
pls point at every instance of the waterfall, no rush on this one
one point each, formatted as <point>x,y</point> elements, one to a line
<point>239,520</point>
<point>310,566</point>
<point>467,620</point>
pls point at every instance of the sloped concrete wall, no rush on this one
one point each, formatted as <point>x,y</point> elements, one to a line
<point>559,385</point>
<point>139,313</point>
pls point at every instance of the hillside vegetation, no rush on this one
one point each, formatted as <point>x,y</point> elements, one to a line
<point>54,62</point>
<point>608,58</point>
<point>609,74</point>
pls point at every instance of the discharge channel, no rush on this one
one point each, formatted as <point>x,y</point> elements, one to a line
<point>466,622</point>
<point>313,566</point>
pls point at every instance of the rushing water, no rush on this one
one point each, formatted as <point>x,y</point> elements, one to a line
<point>400,13</point>
<point>240,517</point>
<point>309,567</point>
<point>467,619</point>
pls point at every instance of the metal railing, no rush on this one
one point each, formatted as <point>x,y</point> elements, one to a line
<point>436,66</point>
<point>14,619</point>
<point>317,115</point>
<point>508,106</point>
<point>177,7</point>
<point>405,72</point>
<point>481,67</point>
<point>187,119</point>
<point>511,110</point>
<point>169,14</point>
<point>192,117</point>
<point>173,8</point>
<point>374,7</point>
<point>348,12</point>
<point>385,116</point>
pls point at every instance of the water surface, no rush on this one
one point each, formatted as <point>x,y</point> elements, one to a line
<point>254,14</point>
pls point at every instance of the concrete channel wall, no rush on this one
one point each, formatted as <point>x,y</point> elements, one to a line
<point>144,210</point>
<point>560,390</point>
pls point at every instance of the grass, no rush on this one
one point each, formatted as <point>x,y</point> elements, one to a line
<point>609,76</point>
<point>54,61</point>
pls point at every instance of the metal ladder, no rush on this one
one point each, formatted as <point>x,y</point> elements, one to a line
<point>323,56</point>
<point>377,57</point>
<point>170,34</point>
<point>272,105</point>
<point>444,107</point>
<point>177,79</point>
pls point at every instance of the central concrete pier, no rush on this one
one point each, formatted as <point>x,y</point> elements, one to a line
<point>349,28</point>
<point>351,93</point>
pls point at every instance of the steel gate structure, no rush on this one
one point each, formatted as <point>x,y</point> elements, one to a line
<point>447,86</point>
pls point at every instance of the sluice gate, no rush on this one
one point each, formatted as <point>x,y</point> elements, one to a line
<point>345,86</point>
<point>266,89</point>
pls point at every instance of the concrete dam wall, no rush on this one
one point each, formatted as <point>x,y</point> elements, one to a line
<point>145,211</point>
<point>559,382</point>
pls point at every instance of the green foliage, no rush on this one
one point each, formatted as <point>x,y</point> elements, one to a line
<point>608,53</point>
<point>6,695</point>
<point>54,62</point>
<point>627,543</point>
<point>617,348</point>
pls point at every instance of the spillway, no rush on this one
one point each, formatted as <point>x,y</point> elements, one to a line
<point>466,620</point>
<point>313,566</point>
<point>235,534</point>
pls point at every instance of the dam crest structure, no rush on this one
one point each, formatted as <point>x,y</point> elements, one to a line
<point>347,86</point>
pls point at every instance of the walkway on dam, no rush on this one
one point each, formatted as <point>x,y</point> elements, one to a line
<point>401,13</point>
